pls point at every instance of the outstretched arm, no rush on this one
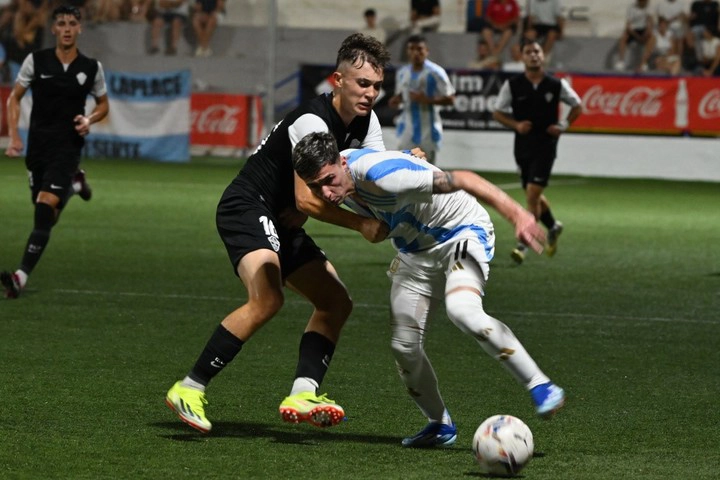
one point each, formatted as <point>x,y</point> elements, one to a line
<point>526,227</point>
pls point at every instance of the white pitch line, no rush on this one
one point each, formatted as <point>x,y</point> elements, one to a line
<point>584,316</point>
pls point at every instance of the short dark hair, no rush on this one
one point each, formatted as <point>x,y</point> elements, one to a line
<point>529,41</point>
<point>66,10</point>
<point>363,48</point>
<point>370,12</point>
<point>313,152</point>
<point>416,38</point>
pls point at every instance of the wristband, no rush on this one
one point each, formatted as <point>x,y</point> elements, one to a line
<point>563,125</point>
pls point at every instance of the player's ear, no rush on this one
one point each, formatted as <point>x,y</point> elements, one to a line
<point>337,79</point>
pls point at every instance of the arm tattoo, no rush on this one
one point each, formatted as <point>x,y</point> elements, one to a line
<point>443,182</point>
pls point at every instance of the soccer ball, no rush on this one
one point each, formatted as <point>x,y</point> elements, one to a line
<point>503,445</point>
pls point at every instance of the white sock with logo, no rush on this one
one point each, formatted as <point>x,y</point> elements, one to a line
<point>304,384</point>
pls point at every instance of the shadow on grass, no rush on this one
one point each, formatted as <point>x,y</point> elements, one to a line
<point>289,434</point>
<point>485,475</point>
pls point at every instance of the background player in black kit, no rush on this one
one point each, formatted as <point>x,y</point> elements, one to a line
<point>260,218</point>
<point>529,104</point>
<point>61,78</point>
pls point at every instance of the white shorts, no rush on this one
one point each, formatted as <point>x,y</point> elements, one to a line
<point>463,261</point>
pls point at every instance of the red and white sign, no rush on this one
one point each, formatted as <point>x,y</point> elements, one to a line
<point>220,120</point>
<point>621,104</point>
<point>672,105</point>
<point>704,102</point>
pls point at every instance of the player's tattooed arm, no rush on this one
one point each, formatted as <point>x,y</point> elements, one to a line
<point>444,182</point>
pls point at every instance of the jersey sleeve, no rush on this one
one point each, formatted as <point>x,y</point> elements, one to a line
<point>27,72</point>
<point>99,88</point>
<point>568,95</point>
<point>503,102</point>
<point>445,86</point>
<point>304,125</point>
<point>374,138</point>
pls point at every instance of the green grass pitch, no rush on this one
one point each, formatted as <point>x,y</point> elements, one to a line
<point>626,317</point>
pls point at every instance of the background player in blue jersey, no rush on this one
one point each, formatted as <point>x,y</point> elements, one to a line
<point>260,218</point>
<point>61,78</point>
<point>445,241</point>
<point>421,87</point>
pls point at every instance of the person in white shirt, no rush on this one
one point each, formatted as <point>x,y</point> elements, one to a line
<point>421,87</point>
<point>445,242</point>
<point>371,27</point>
<point>660,53</point>
<point>638,28</point>
<point>674,12</point>
<point>545,17</point>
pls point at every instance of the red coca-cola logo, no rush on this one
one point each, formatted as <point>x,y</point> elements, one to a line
<point>636,102</point>
<point>218,118</point>
<point>709,106</point>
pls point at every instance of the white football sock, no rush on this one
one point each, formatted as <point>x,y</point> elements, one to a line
<point>304,384</point>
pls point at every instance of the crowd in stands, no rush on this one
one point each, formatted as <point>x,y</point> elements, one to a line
<point>24,23</point>
<point>659,36</point>
<point>666,36</point>
<point>671,39</point>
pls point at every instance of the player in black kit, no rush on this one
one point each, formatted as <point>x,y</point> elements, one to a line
<point>260,218</point>
<point>61,78</point>
<point>528,103</point>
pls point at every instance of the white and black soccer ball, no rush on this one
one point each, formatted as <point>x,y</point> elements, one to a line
<point>503,445</point>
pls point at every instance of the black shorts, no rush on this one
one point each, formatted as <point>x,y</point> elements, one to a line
<point>55,176</point>
<point>543,30</point>
<point>535,169</point>
<point>245,225</point>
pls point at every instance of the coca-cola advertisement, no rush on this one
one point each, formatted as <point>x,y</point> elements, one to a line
<point>704,106</point>
<point>220,120</point>
<point>620,104</point>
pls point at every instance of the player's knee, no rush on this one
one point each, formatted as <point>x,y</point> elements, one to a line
<point>266,306</point>
<point>465,310</point>
<point>406,344</point>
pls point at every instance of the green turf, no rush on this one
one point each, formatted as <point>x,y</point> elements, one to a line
<point>625,318</point>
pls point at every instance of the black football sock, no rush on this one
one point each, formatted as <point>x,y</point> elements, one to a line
<point>547,219</point>
<point>316,351</point>
<point>219,351</point>
<point>39,237</point>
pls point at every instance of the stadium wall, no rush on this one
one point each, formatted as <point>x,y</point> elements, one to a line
<point>622,156</point>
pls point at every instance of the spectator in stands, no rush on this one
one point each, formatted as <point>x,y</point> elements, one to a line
<point>174,13</point>
<point>704,14</point>
<point>421,87</point>
<point>206,17</point>
<point>475,16</point>
<point>503,18</point>
<point>709,61</point>
<point>138,10</point>
<point>26,32</point>
<point>545,17</point>
<point>515,64</point>
<point>484,59</point>
<point>661,51</point>
<point>371,27</point>
<point>674,12</point>
<point>107,10</point>
<point>638,29</point>
<point>424,16</point>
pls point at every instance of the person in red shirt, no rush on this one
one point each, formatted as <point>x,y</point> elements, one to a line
<point>503,17</point>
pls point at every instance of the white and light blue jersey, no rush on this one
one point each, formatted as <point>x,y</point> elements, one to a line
<point>420,124</point>
<point>397,188</point>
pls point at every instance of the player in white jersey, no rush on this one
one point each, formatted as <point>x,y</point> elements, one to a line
<point>445,241</point>
<point>421,87</point>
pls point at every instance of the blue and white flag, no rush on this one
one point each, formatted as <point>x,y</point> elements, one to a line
<point>149,117</point>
